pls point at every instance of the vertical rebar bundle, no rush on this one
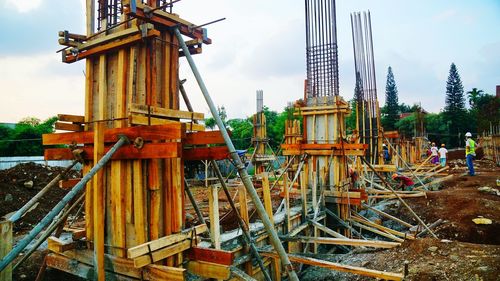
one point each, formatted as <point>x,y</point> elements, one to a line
<point>321,49</point>
<point>368,115</point>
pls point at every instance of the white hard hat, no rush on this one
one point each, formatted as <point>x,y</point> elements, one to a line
<point>468,134</point>
<point>384,144</point>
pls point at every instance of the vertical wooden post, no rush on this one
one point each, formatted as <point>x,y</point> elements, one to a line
<point>242,195</point>
<point>99,183</point>
<point>213,203</point>
<point>139,203</point>
<point>5,247</point>
<point>88,117</point>
<point>268,204</point>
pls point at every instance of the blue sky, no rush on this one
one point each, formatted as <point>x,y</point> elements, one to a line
<point>261,45</point>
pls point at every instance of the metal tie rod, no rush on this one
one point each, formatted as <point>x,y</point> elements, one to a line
<point>57,209</point>
<point>245,178</point>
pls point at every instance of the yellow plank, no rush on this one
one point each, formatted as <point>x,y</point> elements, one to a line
<point>162,254</point>
<point>213,210</point>
<point>162,242</point>
<point>341,267</point>
<point>137,119</point>
<point>209,270</point>
<point>165,113</point>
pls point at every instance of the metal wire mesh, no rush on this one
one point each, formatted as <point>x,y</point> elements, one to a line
<point>321,48</point>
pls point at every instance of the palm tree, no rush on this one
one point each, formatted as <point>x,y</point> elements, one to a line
<point>473,95</point>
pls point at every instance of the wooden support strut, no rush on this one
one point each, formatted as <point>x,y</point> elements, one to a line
<point>399,198</point>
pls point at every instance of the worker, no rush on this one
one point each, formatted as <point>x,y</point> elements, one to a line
<point>405,182</point>
<point>387,156</point>
<point>442,155</point>
<point>470,152</point>
<point>434,154</point>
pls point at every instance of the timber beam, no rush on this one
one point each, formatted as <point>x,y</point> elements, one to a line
<point>326,149</point>
<point>168,20</point>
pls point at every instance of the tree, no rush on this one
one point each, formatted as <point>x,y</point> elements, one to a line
<point>485,109</point>
<point>241,132</point>
<point>474,95</point>
<point>26,138</point>
<point>454,111</point>
<point>391,108</point>
<point>210,121</point>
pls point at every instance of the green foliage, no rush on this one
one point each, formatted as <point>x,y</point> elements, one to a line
<point>404,108</point>
<point>241,132</point>
<point>350,120</point>
<point>26,138</point>
<point>391,108</point>
<point>406,126</point>
<point>485,109</point>
<point>210,121</point>
<point>437,128</point>
<point>455,111</point>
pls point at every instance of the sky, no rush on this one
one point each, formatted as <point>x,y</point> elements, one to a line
<point>261,45</point>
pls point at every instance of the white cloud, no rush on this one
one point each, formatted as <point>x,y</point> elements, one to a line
<point>31,87</point>
<point>23,6</point>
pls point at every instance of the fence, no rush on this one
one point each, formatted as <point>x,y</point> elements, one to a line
<point>9,162</point>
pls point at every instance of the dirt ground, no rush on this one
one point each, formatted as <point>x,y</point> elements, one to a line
<point>14,193</point>
<point>463,251</point>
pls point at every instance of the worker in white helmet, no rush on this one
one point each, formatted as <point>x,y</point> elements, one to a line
<point>470,152</point>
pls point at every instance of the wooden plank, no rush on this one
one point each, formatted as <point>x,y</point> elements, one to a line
<point>388,216</point>
<point>117,209</point>
<point>148,151</point>
<point>69,183</point>
<point>268,205</point>
<point>202,138</point>
<point>352,195</point>
<point>209,270</point>
<point>242,193</point>
<point>205,153</point>
<point>171,20</point>
<point>211,255</point>
<point>106,48</point>
<point>165,241</point>
<point>99,178</point>
<point>5,247</point>
<point>376,231</point>
<point>165,113</point>
<point>58,246</point>
<point>327,230</point>
<point>68,127</point>
<point>80,269</point>
<point>139,203</point>
<point>160,273</point>
<point>138,119</point>
<point>148,133</point>
<point>161,254</point>
<point>213,212</point>
<point>110,37</point>
<point>241,275</point>
<point>344,241</point>
<point>71,118</point>
<point>383,228</point>
<point>340,267</point>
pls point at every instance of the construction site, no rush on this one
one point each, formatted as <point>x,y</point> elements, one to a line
<point>326,205</point>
